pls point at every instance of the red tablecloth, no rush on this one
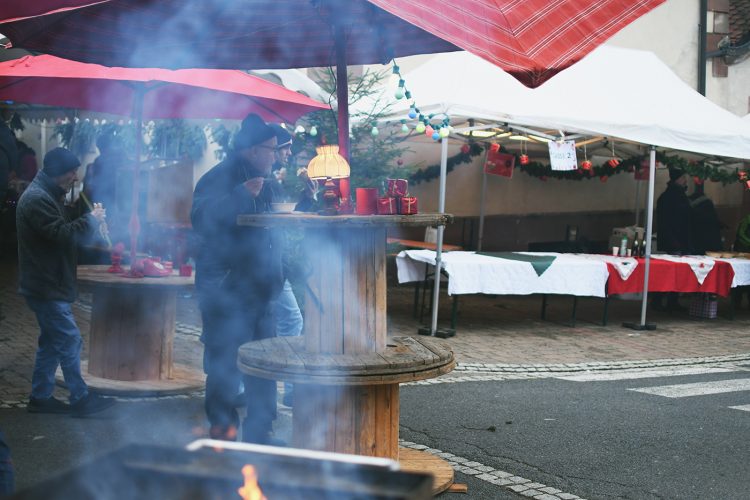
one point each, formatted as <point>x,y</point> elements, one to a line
<point>667,276</point>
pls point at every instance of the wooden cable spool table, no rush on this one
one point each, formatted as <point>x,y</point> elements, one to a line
<point>132,332</point>
<point>350,370</point>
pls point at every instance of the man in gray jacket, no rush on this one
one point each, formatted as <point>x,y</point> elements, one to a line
<point>47,238</point>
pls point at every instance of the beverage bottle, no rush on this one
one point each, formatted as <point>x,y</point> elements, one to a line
<point>624,246</point>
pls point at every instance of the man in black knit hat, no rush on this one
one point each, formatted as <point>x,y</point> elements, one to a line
<point>674,231</point>
<point>47,241</point>
<point>238,275</point>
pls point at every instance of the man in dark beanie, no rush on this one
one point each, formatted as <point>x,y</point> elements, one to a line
<point>673,229</point>
<point>238,275</point>
<point>47,240</point>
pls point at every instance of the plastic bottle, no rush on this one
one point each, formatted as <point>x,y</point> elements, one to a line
<point>624,246</point>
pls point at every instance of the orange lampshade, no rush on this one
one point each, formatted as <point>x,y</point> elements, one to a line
<point>328,163</point>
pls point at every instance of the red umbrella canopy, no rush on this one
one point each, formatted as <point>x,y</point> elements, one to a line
<point>187,93</point>
<point>531,39</point>
<point>14,10</point>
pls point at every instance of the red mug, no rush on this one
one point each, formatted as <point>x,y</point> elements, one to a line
<point>367,201</point>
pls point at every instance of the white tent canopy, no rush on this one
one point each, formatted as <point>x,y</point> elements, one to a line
<point>614,92</point>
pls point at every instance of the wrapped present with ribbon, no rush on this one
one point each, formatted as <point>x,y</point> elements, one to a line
<point>408,205</point>
<point>387,206</point>
<point>397,188</point>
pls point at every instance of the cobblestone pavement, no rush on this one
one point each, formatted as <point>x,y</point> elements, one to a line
<point>494,334</point>
<point>498,338</point>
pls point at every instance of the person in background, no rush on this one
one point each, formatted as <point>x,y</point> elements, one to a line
<point>100,181</point>
<point>238,276</point>
<point>8,163</point>
<point>47,251</point>
<point>308,196</point>
<point>27,166</point>
<point>674,230</point>
<point>706,226</point>
<point>288,316</point>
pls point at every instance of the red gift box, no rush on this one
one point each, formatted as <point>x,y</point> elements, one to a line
<point>397,188</point>
<point>386,206</point>
<point>408,205</point>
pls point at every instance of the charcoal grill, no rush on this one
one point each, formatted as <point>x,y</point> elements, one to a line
<point>204,471</point>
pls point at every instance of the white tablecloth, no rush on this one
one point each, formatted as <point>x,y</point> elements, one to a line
<point>569,274</point>
<point>468,272</point>
<point>741,269</point>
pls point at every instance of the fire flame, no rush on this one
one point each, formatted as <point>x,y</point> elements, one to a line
<point>250,490</point>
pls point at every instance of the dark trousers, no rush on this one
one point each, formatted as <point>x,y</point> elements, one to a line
<point>229,322</point>
<point>7,477</point>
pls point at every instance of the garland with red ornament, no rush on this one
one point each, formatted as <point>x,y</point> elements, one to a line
<point>700,171</point>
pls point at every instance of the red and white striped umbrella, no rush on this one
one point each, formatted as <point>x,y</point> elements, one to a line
<point>531,39</point>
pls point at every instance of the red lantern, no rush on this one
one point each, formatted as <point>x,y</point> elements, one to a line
<point>603,178</point>
<point>494,147</point>
<point>613,162</point>
<point>523,159</point>
<point>586,165</point>
<point>465,149</point>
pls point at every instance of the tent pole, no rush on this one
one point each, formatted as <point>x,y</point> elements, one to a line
<point>135,226</point>
<point>342,91</point>
<point>439,252</point>
<point>649,231</point>
<point>481,211</point>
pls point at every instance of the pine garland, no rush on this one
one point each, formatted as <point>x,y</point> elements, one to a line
<point>702,170</point>
<point>433,171</point>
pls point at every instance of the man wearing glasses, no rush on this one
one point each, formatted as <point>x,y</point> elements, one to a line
<point>238,275</point>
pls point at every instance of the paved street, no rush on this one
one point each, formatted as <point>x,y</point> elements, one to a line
<point>639,434</point>
<point>525,413</point>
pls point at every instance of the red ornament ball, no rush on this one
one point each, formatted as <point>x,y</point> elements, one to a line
<point>465,149</point>
<point>400,162</point>
<point>586,165</point>
<point>523,159</point>
<point>603,178</point>
<point>742,175</point>
<point>494,147</point>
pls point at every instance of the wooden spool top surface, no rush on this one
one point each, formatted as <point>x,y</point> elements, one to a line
<point>405,359</point>
<point>306,220</point>
<point>98,275</point>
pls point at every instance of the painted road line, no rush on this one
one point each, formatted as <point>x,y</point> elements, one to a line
<point>697,389</point>
<point>634,374</point>
<point>743,407</point>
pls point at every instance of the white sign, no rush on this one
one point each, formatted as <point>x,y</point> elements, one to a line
<point>562,155</point>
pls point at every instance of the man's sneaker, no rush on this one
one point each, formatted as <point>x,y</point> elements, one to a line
<point>223,432</point>
<point>49,405</point>
<point>90,404</point>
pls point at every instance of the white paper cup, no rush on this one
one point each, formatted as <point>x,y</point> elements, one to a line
<point>615,251</point>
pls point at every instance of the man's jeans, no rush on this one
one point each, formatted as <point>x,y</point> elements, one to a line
<point>59,344</point>
<point>288,318</point>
